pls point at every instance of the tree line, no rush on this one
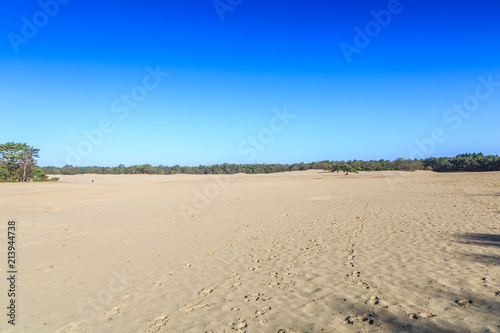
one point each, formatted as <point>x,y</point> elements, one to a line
<point>18,164</point>
<point>463,162</point>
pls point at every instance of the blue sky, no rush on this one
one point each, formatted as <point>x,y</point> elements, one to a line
<point>65,69</point>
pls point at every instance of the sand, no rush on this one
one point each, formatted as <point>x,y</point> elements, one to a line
<point>302,251</point>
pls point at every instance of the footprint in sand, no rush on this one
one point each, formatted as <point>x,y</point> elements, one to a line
<point>256,297</point>
<point>239,326</point>
<point>367,317</point>
<point>463,302</point>
<point>273,284</point>
<point>356,274</point>
<point>112,313</point>
<point>262,311</point>
<point>73,327</point>
<point>236,277</point>
<point>199,303</point>
<point>158,324</point>
<point>134,297</point>
<point>363,285</point>
<point>205,291</point>
<point>421,315</point>
<point>157,283</point>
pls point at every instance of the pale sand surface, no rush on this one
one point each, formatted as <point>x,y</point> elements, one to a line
<point>297,251</point>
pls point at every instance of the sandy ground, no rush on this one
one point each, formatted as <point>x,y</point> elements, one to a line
<point>290,252</point>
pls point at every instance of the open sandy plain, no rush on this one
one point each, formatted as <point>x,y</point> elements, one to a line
<point>292,252</point>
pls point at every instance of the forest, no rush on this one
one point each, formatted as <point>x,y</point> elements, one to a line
<point>463,162</point>
<point>18,164</point>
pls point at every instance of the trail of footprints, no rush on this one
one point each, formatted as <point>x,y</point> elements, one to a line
<point>355,275</point>
<point>279,270</point>
<point>355,278</point>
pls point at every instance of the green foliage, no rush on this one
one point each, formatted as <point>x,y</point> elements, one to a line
<point>463,162</point>
<point>407,165</point>
<point>467,162</point>
<point>17,161</point>
<point>39,175</point>
<point>344,167</point>
<point>4,173</point>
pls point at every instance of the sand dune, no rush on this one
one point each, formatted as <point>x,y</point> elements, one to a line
<point>290,252</point>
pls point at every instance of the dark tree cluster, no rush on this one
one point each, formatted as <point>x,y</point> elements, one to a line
<point>465,162</point>
<point>17,163</point>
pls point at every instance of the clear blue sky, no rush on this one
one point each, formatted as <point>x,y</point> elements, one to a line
<point>65,70</point>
